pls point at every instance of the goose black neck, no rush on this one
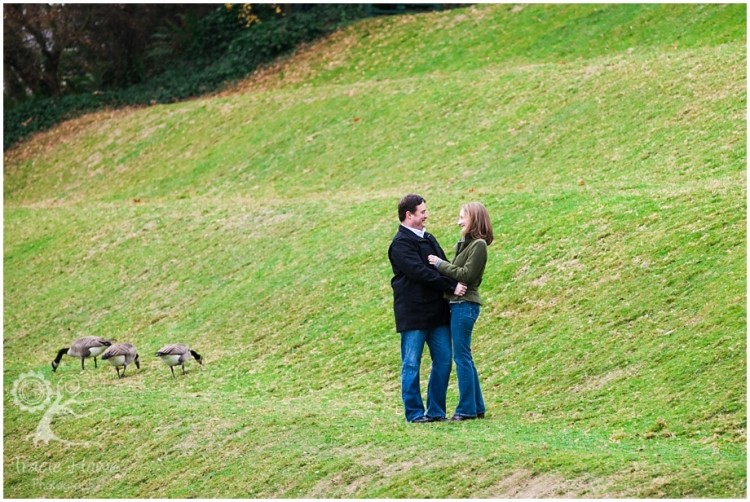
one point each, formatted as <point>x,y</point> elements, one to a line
<point>61,353</point>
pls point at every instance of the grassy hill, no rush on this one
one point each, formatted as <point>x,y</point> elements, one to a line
<point>609,145</point>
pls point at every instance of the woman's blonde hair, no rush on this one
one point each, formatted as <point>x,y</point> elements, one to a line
<point>480,226</point>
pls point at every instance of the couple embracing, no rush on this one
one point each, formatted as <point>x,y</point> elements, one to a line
<point>437,302</point>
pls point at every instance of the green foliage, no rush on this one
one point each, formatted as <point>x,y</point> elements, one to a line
<point>223,50</point>
<point>612,342</point>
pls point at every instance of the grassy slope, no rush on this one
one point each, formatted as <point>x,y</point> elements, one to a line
<point>609,144</point>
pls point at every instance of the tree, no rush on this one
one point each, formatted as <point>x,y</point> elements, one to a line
<point>35,39</point>
<point>52,49</point>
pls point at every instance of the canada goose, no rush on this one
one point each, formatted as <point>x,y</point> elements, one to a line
<point>177,353</point>
<point>121,354</point>
<point>88,346</point>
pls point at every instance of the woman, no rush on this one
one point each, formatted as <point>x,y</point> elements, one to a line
<point>467,267</point>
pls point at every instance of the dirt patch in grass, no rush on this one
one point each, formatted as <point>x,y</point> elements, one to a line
<point>597,382</point>
<point>339,484</point>
<point>524,485</point>
<point>323,488</point>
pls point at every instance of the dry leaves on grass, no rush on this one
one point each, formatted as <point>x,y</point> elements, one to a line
<point>302,65</point>
<point>44,141</point>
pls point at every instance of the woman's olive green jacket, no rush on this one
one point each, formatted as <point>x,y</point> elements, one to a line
<point>467,267</point>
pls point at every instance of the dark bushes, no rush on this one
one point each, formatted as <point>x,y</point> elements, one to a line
<point>223,50</point>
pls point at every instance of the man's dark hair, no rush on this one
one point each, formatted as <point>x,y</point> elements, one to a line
<point>408,203</point>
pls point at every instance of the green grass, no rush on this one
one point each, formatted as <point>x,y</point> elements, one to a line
<point>612,344</point>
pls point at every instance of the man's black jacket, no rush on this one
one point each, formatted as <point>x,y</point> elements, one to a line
<point>417,286</point>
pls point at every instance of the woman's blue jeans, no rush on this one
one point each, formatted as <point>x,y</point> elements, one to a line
<point>412,343</point>
<point>463,317</point>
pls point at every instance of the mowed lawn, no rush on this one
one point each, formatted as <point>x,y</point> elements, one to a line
<point>607,142</point>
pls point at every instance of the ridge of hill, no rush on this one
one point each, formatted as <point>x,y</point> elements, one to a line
<point>254,225</point>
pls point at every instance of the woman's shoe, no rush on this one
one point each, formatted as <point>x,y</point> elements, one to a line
<point>459,418</point>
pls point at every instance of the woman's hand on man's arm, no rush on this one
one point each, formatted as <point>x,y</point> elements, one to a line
<point>460,287</point>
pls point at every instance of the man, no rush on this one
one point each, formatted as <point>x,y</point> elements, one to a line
<point>422,315</point>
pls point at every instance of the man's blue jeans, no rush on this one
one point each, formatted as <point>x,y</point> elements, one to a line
<point>412,342</point>
<point>463,317</point>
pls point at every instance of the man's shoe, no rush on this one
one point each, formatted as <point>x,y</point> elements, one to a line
<point>480,415</point>
<point>420,420</point>
<point>438,419</point>
<point>459,418</point>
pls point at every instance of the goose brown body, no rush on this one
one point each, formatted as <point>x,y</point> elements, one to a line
<point>121,355</point>
<point>177,354</point>
<point>83,348</point>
